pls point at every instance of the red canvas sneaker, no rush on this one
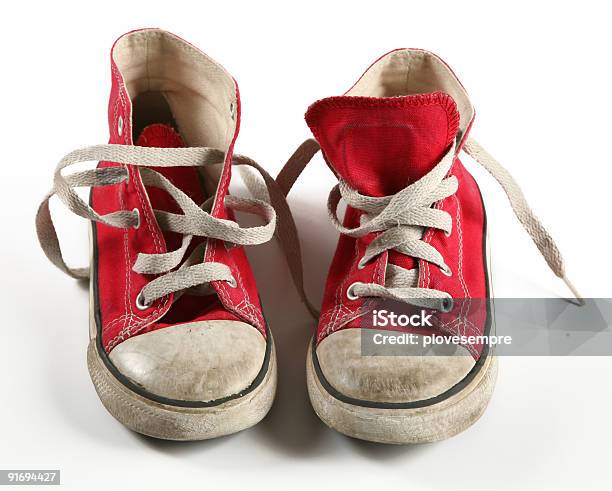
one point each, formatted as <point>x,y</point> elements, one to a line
<point>179,345</point>
<point>414,233</point>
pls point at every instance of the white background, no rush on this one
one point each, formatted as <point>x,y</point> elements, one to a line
<point>539,74</point>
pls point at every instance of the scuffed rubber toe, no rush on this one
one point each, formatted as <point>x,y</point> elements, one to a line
<point>388,379</point>
<point>200,361</point>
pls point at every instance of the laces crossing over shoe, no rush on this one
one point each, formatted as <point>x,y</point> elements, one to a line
<point>179,345</point>
<point>414,232</point>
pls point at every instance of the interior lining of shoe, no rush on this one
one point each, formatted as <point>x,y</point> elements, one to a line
<point>151,108</point>
<point>161,72</point>
<point>409,72</point>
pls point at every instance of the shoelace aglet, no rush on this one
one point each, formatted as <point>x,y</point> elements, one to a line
<point>573,289</point>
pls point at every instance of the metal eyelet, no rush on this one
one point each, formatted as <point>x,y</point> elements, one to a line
<point>140,303</point>
<point>136,212</point>
<point>349,292</point>
<point>120,126</point>
<point>446,270</point>
<point>447,304</point>
<point>232,283</point>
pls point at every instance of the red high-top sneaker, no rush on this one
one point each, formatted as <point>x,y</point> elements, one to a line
<point>414,232</point>
<point>179,345</point>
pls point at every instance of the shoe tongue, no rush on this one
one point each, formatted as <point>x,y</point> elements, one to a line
<point>159,135</point>
<point>379,145</point>
<point>185,178</point>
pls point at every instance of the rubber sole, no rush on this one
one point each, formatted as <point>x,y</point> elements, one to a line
<point>405,426</point>
<point>170,422</point>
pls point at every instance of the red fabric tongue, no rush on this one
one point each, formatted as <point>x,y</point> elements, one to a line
<point>380,145</point>
<point>159,135</point>
<point>185,178</point>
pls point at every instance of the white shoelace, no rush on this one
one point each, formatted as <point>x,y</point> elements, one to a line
<point>177,272</point>
<point>401,218</point>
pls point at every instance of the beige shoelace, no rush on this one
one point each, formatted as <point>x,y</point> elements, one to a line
<point>177,272</point>
<point>402,218</point>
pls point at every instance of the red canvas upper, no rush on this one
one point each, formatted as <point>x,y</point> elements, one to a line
<point>380,145</point>
<point>117,249</point>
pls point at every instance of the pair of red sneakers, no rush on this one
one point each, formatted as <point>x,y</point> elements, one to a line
<point>180,348</point>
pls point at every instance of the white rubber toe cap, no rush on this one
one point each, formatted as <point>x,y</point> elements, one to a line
<point>200,361</point>
<point>393,379</point>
